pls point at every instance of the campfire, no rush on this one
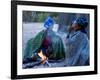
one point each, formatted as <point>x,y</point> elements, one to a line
<point>44,58</point>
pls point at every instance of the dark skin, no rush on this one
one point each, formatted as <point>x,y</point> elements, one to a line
<point>75,27</point>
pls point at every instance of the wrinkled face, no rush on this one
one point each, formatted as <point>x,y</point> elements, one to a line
<point>75,26</point>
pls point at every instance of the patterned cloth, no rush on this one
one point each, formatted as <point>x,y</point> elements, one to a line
<point>77,49</point>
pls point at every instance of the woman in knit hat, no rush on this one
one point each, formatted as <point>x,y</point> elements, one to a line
<point>77,44</point>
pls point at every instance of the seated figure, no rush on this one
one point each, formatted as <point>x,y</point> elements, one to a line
<point>77,43</point>
<point>47,42</point>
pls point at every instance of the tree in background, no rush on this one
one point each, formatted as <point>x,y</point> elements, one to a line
<point>33,16</point>
<point>64,20</point>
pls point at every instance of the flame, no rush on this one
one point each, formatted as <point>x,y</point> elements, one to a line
<point>43,57</point>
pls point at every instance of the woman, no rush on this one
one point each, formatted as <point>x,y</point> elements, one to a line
<point>77,44</point>
<point>46,41</point>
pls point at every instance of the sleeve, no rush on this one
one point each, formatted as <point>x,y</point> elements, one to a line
<point>82,57</point>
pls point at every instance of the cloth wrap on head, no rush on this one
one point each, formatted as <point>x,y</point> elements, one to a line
<point>48,22</point>
<point>82,21</point>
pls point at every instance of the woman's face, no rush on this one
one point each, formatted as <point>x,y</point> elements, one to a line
<point>75,26</point>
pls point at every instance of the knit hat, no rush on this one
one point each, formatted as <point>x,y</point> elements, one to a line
<point>81,21</point>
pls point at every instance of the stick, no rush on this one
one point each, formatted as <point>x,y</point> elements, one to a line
<point>30,65</point>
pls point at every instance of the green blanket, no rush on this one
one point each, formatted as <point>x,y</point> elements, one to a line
<point>34,44</point>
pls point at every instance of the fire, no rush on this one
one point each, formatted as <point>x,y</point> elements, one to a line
<point>43,57</point>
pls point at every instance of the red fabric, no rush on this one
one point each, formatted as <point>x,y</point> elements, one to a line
<point>47,42</point>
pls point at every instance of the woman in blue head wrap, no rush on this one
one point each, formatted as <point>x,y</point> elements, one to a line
<point>47,41</point>
<point>77,44</point>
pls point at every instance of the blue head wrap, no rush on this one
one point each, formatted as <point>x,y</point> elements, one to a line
<point>82,21</point>
<point>48,22</point>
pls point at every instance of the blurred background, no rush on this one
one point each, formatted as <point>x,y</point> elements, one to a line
<point>62,19</point>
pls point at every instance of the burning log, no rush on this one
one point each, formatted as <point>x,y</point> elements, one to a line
<point>44,59</point>
<point>42,56</point>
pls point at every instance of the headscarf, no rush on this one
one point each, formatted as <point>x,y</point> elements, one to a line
<point>82,21</point>
<point>48,22</point>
